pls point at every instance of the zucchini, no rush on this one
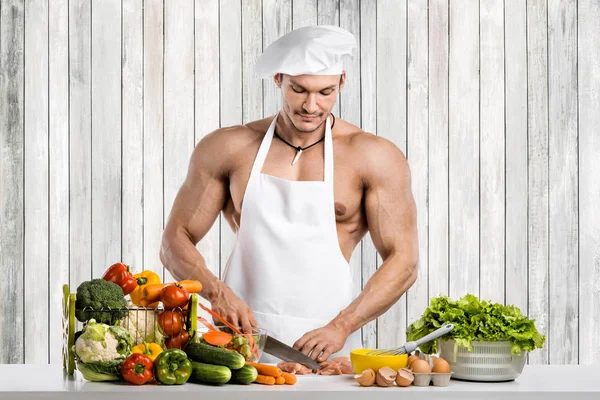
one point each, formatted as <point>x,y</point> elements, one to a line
<point>208,354</point>
<point>207,373</point>
<point>245,375</point>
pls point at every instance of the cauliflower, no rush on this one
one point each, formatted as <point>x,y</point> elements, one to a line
<point>142,325</point>
<point>90,350</point>
<point>100,351</point>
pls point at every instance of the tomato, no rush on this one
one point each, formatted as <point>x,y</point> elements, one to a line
<point>178,341</point>
<point>170,322</point>
<point>174,296</point>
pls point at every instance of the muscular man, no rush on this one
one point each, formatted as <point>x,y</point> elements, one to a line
<point>300,190</point>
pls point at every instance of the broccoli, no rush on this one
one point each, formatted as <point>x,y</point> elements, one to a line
<point>95,295</point>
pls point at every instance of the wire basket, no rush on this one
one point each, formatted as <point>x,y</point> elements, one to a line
<point>488,362</point>
<point>144,324</point>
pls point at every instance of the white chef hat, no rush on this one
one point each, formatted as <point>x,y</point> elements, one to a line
<point>311,50</point>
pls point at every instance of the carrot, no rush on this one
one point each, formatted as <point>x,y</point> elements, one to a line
<point>265,380</point>
<point>290,379</point>
<point>217,338</point>
<point>205,323</point>
<point>280,380</point>
<point>265,369</point>
<point>144,302</point>
<point>153,292</point>
<point>191,286</point>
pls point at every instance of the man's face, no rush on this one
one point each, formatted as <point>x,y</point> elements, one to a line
<point>308,99</point>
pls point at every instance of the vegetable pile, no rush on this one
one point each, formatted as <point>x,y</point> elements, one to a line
<point>476,320</point>
<point>127,336</point>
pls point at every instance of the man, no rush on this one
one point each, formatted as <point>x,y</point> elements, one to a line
<point>300,190</point>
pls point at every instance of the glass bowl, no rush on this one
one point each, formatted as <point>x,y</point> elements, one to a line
<point>242,343</point>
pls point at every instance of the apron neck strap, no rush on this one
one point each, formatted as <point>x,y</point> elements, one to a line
<point>266,145</point>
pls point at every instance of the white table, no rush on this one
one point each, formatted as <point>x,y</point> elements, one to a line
<point>537,382</point>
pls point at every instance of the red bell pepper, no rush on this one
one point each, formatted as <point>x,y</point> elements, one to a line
<point>119,273</point>
<point>137,369</point>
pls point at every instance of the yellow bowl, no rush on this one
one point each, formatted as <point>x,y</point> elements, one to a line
<point>361,361</point>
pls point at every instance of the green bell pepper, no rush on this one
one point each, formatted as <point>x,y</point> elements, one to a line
<point>172,367</point>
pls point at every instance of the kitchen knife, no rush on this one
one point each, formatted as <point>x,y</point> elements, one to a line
<point>281,350</point>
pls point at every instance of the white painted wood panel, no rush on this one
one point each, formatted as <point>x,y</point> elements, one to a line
<point>492,151</point>
<point>80,142</point>
<point>252,48</point>
<point>230,32</point>
<point>463,150</point>
<point>101,104</point>
<point>58,147</point>
<point>207,105</point>
<point>132,149</point>
<point>516,154</point>
<point>438,252</point>
<point>12,43</point>
<point>153,133</point>
<point>589,185</point>
<point>350,107</point>
<point>563,339</point>
<point>36,182</point>
<point>179,99</point>
<point>417,147</point>
<point>368,89</point>
<point>537,122</point>
<point>277,21</point>
<point>391,124</point>
<point>304,13</point>
<point>106,135</point>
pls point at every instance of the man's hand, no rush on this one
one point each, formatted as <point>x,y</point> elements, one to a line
<point>321,343</point>
<point>233,309</point>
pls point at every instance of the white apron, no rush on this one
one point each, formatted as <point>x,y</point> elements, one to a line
<point>287,264</point>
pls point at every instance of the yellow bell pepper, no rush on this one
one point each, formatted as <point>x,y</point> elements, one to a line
<point>152,350</point>
<point>144,278</point>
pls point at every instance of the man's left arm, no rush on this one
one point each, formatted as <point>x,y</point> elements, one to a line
<point>392,222</point>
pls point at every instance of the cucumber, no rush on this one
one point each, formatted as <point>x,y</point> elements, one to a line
<point>208,354</point>
<point>245,375</point>
<point>207,373</point>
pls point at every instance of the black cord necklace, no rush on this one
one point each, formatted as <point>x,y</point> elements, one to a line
<point>300,149</point>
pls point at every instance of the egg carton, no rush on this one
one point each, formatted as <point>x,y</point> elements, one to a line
<point>426,378</point>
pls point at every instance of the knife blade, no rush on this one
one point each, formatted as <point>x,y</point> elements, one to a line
<point>281,350</point>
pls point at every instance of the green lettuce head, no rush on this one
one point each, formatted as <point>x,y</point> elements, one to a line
<point>476,320</point>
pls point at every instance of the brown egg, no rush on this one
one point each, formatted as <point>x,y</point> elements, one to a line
<point>411,359</point>
<point>441,366</point>
<point>405,377</point>
<point>420,367</point>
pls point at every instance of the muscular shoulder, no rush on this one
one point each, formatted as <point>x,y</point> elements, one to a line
<point>378,159</point>
<point>219,151</point>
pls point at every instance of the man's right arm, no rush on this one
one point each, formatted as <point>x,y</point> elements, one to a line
<point>195,209</point>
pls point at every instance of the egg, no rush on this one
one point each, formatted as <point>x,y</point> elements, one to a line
<point>441,366</point>
<point>411,359</point>
<point>405,377</point>
<point>420,367</point>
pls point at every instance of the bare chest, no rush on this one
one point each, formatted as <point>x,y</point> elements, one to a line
<point>348,190</point>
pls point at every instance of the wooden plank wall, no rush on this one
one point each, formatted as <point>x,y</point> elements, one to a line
<point>495,104</point>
